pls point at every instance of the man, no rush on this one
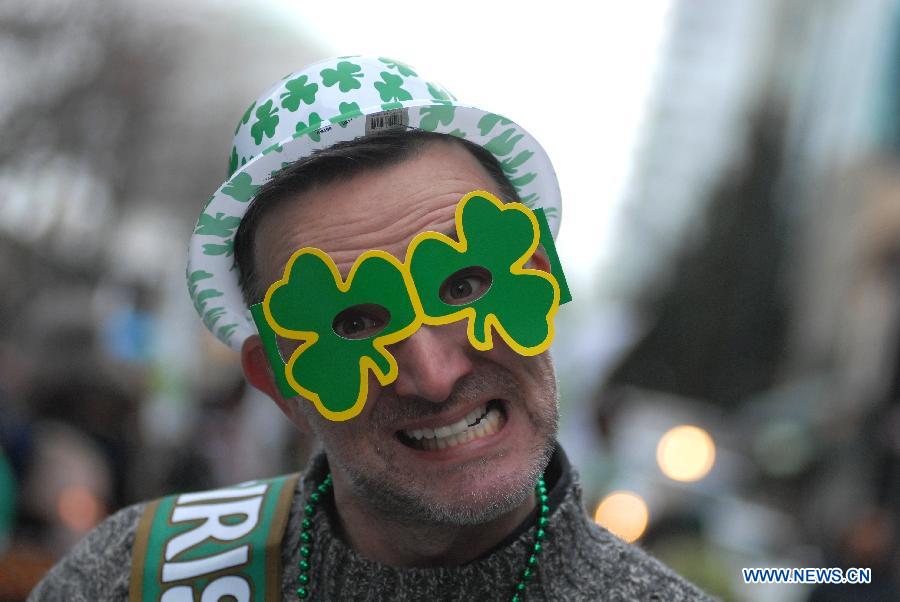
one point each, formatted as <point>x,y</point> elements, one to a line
<point>439,475</point>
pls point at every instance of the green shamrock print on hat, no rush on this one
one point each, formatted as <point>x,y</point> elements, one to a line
<point>345,74</point>
<point>298,90</point>
<point>348,110</point>
<point>342,326</point>
<point>402,68</point>
<point>482,277</point>
<point>218,225</point>
<point>315,121</point>
<point>432,116</point>
<point>391,87</point>
<point>266,122</point>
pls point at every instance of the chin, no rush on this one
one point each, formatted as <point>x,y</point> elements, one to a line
<point>472,502</point>
<point>471,494</point>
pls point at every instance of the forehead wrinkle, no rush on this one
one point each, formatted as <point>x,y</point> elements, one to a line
<point>345,242</point>
<point>430,189</point>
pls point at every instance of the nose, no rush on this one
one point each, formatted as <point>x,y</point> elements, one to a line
<point>431,361</point>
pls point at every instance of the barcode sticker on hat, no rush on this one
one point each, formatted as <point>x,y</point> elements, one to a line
<point>385,120</point>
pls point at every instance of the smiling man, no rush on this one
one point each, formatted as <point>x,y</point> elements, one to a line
<point>387,291</point>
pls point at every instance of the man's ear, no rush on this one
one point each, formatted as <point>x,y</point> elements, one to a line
<point>259,374</point>
<point>539,261</point>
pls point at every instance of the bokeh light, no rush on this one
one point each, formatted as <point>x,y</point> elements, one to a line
<point>624,514</point>
<point>686,453</point>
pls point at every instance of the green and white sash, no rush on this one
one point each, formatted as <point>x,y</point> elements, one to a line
<point>201,547</point>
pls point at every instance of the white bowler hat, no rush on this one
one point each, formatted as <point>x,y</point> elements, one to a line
<point>333,101</point>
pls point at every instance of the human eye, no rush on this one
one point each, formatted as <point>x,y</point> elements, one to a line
<point>361,321</point>
<point>465,286</point>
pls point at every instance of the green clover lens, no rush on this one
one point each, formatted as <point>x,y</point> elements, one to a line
<point>497,239</point>
<point>310,302</point>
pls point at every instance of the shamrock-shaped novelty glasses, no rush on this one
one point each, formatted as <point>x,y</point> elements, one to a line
<point>341,329</point>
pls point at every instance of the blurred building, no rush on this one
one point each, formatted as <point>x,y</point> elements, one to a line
<point>762,230</point>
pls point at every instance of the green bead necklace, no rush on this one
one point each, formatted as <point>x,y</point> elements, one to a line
<point>524,577</point>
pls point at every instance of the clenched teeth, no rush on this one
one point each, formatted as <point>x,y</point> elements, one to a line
<point>478,423</point>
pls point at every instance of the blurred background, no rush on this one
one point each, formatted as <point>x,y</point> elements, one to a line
<point>731,231</point>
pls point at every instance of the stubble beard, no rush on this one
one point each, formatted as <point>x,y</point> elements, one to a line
<point>392,494</point>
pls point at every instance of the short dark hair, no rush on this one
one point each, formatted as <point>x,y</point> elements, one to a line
<point>342,160</point>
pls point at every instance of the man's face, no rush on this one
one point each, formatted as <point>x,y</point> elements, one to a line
<point>397,454</point>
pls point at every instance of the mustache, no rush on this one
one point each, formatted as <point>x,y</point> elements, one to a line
<point>485,384</point>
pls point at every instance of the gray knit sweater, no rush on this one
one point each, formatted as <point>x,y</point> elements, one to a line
<point>581,561</point>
